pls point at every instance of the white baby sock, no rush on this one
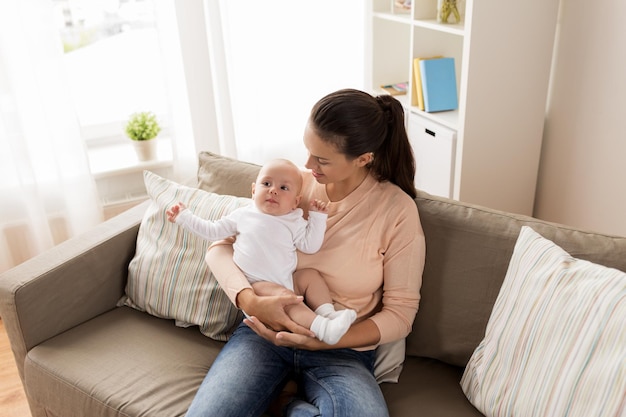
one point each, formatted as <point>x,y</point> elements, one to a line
<point>328,310</point>
<point>330,330</point>
<point>325,310</point>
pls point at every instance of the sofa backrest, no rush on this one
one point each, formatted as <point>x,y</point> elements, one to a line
<point>468,249</point>
<point>222,175</point>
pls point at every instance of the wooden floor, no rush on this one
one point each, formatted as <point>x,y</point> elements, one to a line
<point>12,398</point>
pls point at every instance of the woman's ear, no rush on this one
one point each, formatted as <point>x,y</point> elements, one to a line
<point>365,159</point>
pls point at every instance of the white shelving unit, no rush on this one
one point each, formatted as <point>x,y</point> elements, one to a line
<point>503,55</point>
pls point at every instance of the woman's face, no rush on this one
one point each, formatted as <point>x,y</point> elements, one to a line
<point>326,163</point>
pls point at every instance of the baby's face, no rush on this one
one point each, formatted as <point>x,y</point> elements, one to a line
<point>277,188</point>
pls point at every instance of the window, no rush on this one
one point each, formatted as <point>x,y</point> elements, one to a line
<point>113,62</point>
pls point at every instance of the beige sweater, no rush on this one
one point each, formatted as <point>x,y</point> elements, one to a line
<point>372,257</point>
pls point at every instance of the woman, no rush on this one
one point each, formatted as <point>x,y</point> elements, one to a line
<point>372,259</point>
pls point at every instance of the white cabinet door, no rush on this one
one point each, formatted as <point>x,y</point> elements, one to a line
<point>434,148</point>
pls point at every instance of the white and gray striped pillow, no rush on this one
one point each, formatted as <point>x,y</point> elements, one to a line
<point>168,277</point>
<point>555,344</point>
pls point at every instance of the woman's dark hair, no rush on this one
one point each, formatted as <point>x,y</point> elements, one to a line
<point>356,123</point>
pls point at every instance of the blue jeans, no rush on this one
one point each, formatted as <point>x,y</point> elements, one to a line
<point>250,372</point>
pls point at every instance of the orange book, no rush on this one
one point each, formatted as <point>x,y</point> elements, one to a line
<point>417,90</point>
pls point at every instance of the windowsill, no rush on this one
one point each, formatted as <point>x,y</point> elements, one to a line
<point>120,158</point>
<point>118,173</point>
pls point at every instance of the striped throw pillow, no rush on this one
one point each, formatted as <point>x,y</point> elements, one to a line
<point>168,277</point>
<point>555,344</point>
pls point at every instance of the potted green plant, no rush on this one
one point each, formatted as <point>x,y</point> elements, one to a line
<point>142,128</point>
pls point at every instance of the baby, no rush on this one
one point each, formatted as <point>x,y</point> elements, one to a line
<point>268,233</point>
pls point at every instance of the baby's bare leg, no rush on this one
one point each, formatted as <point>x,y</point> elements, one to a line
<point>310,284</point>
<point>299,313</point>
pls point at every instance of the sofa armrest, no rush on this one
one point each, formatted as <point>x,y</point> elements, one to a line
<point>69,284</point>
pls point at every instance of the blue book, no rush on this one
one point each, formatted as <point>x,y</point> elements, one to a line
<point>439,84</point>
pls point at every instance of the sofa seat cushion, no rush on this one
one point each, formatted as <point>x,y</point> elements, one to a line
<point>122,363</point>
<point>428,388</point>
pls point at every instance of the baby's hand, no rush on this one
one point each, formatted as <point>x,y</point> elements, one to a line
<point>173,212</point>
<point>318,205</point>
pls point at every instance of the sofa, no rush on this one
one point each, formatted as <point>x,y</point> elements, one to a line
<point>82,349</point>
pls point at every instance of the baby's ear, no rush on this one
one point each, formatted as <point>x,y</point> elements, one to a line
<point>252,190</point>
<point>298,199</point>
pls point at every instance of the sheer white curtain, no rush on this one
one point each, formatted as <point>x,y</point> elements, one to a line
<point>46,190</point>
<point>185,155</point>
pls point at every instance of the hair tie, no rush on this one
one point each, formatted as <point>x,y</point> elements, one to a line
<point>385,105</point>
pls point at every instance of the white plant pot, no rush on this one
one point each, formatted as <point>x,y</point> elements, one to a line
<point>146,149</point>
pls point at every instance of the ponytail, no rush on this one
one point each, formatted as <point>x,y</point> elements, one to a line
<point>394,159</point>
<point>357,123</point>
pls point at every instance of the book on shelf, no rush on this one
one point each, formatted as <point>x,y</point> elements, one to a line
<point>439,84</point>
<point>395,89</point>
<point>417,98</point>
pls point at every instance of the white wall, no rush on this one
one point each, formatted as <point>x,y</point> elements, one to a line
<point>582,175</point>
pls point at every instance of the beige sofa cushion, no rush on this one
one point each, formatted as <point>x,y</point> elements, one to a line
<point>428,388</point>
<point>468,249</point>
<point>121,363</point>
<point>222,175</point>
